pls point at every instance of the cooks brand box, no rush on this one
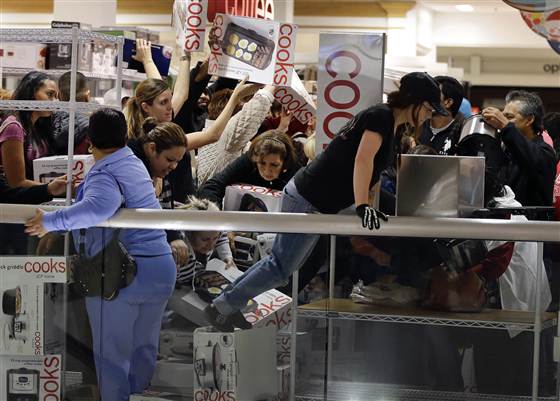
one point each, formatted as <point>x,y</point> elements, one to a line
<point>46,169</point>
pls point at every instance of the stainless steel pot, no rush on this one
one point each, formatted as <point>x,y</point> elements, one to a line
<point>475,124</point>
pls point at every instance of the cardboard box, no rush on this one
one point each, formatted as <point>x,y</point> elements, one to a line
<point>272,308</point>
<point>349,80</point>
<point>160,54</point>
<point>251,198</point>
<point>262,49</point>
<point>23,55</point>
<point>238,366</point>
<point>174,375</point>
<point>22,318</point>
<point>152,395</point>
<point>283,377</point>
<point>60,54</point>
<point>175,343</point>
<point>30,378</point>
<point>284,346</point>
<point>190,18</point>
<point>46,169</point>
<point>296,99</point>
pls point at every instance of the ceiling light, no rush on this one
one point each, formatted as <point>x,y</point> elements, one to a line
<point>465,8</point>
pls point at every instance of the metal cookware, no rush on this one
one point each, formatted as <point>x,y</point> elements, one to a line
<point>475,124</point>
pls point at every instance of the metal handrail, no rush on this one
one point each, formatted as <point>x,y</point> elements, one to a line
<point>314,224</point>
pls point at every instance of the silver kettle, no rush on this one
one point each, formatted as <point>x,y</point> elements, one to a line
<point>475,124</point>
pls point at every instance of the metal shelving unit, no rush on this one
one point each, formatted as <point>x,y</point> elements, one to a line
<point>55,36</point>
<point>489,319</point>
<point>357,391</point>
<point>128,76</point>
<point>34,105</point>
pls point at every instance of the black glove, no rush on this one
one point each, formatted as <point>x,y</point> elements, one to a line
<point>370,216</point>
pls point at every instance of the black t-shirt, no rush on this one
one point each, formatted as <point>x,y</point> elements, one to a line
<point>327,182</point>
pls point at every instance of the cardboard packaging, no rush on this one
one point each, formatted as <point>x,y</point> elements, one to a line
<point>296,99</point>
<point>160,54</point>
<point>22,318</point>
<point>271,308</point>
<point>30,378</point>
<point>174,375</point>
<point>251,198</point>
<point>150,395</point>
<point>60,54</point>
<point>190,18</point>
<point>262,49</point>
<point>175,343</point>
<point>104,58</point>
<point>46,169</point>
<point>238,366</point>
<point>349,80</point>
<point>23,55</point>
<point>283,377</point>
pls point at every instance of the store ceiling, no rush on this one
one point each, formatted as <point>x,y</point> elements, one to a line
<point>479,6</point>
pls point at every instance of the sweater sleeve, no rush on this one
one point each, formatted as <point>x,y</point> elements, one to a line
<point>223,249</point>
<point>31,195</point>
<point>101,199</point>
<point>215,188</point>
<point>245,124</point>
<point>527,153</point>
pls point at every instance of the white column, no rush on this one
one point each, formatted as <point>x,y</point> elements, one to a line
<point>94,12</point>
<point>284,10</point>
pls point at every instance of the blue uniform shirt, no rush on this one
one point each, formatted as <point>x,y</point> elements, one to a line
<point>99,198</point>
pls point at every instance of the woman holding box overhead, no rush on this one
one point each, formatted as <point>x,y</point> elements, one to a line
<point>340,176</point>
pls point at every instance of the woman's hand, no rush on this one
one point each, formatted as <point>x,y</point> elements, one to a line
<point>57,187</point>
<point>34,226</point>
<point>243,89</point>
<point>180,251</point>
<point>229,263</point>
<point>285,119</point>
<point>143,51</point>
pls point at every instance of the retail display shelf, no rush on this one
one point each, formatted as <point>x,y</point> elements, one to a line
<point>54,36</point>
<point>344,391</point>
<point>488,319</point>
<point>35,105</point>
<point>134,77</point>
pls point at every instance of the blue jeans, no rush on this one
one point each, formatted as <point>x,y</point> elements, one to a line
<point>289,252</point>
<point>126,330</point>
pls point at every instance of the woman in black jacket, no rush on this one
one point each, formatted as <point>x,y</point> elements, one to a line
<point>270,162</point>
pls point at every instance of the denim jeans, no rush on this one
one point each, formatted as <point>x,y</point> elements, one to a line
<point>289,252</point>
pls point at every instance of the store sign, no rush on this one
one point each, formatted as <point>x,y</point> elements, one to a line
<point>263,9</point>
<point>350,79</point>
<point>189,21</point>
<point>551,68</point>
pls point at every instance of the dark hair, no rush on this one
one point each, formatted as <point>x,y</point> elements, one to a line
<point>552,126</point>
<point>249,202</point>
<point>164,135</point>
<point>26,89</point>
<point>451,89</point>
<point>401,100</point>
<point>64,86</point>
<point>107,129</point>
<point>218,102</point>
<point>531,105</point>
<point>422,150</point>
<point>273,142</point>
<point>146,92</point>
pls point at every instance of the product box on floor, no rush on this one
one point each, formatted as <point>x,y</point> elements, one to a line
<point>296,99</point>
<point>46,169</point>
<point>22,292</point>
<point>284,346</point>
<point>238,366</point>
<point>190,18</point>
<point>271,308</point>
<point>262,49</point>
<point>150,395</point>
<point>30,378</point>
<point>283,377</point>
<point>23,55</point>
<point>251,198</point>
<point>174,375</point>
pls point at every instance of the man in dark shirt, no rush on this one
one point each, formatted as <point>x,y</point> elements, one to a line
<point>442,132</point>
<point>530,169</point>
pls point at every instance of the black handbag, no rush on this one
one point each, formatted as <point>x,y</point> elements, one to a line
<point>108,271</point>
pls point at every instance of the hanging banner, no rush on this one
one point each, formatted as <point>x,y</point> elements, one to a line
<point>350,79</point>
<point>190,20</point>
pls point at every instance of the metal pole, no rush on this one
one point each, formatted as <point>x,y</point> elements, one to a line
<point>330,328</point>
<point>538,324</point>
<point>118,83</point>
<point>293,335</point>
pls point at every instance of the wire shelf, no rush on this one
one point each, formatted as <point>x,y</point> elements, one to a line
<point>133,77</point>
<point>355,391</point>
<point>35,105</point>
<point>492,319</point>
<point>54,36</point>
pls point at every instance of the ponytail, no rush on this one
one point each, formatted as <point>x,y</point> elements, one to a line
<point>146,92</point>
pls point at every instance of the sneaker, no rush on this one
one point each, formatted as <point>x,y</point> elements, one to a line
<point>217,320</point>
<point>238,320</point>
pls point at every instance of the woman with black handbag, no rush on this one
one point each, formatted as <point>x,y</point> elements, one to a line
<point>126,328</point>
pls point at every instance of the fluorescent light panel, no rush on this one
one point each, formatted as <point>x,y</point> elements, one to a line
<point>465,8</point>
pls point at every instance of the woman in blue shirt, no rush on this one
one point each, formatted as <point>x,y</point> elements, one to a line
<point>126,329</point>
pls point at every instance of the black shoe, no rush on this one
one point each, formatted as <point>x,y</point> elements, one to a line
<point>217,320</point>
<point>238,320</point>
